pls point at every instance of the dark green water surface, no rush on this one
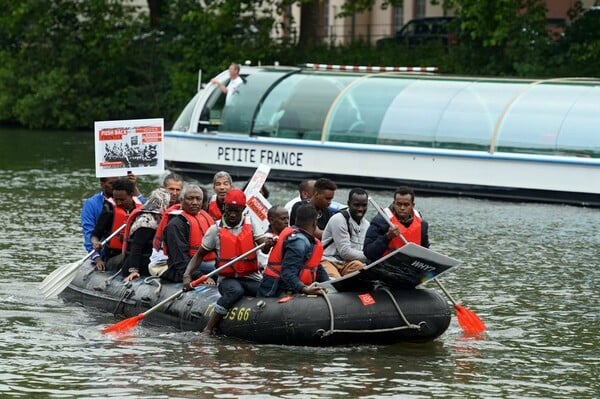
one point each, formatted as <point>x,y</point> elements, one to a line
<point>530,271</point>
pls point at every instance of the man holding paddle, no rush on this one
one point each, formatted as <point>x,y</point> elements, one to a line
<point>232,236</point>
<point>383,237</point>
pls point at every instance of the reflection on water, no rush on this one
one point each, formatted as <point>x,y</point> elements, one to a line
<point>529,271</point>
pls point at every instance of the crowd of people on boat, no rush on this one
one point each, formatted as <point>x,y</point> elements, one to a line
<point>182,233</point>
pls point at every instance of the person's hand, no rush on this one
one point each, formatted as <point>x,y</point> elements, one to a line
<point>97,245</point>
<point>269,241</point>
<point>393,231</point>
<point>215,81</point>
<point>100,264</point>
<point>187,283</point>
<point>132,276</point>
<point>314,289</point>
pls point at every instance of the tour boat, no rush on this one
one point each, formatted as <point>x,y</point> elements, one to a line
<point>515,139</point>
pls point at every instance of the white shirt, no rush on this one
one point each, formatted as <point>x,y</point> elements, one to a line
<point>232,88</point>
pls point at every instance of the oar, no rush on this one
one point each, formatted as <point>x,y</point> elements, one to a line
<point>126,325</point>
<point>60,278</point>
<point>467,319</point>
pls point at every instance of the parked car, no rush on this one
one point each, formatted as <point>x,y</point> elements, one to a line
<point>421,31</point>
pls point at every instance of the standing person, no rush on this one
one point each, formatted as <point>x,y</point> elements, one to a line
<point>321,199</point>
<point>279,219</point>
<point>306,189</point>
<point>222,183</point>
<point>92,207</point>
<point>235,80</point>
<point>231,237</point>
<point>347,229</point>
<point>139,233</point>
<point>184,233</point>
<point>382,239</point>
<point>173,183</point>
<point>294,263</point>
<point>115,212</point>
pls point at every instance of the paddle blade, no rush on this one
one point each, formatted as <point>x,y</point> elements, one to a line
<point>124,326</point>
<point>469,321</point>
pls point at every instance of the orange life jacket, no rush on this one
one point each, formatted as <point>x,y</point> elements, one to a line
<point>213,208</point>
<point>412,233</point>
<point>120,216</point>
<point>232,246</point>
<point>308,274</point>
<point>199,224</point>
<point>126,232</point>
<point>157,242</point>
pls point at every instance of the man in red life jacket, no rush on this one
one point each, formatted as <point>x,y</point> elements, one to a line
<point>183,235</point>
<point>279,219</point>
<point>382,239</point>
<point>294,263</point>
<point>231,237</point>
<point>222,183</point>
<point>115,212</point>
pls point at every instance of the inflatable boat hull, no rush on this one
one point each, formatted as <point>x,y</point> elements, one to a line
<point>378,316</point>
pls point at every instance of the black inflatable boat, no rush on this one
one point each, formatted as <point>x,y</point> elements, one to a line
<point>373,306</point>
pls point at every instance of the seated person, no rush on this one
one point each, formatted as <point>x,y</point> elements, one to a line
<point>344,237</point>
<point>381,239</point>
<point>139,233</point>
<point>115,212</point>
<point>294,263</point>
<point>231,237</point>
<point>184,233</point>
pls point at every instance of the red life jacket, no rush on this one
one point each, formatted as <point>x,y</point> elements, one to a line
<point>412,233</point>
<point>199,224</point>
<point>213,208</point>
<point>157,242</point>
<point>120,216</point>
<point>126,232</point>
<point>232,246</point>
<point>308,274</point>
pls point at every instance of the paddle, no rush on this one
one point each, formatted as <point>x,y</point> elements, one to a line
<point>467,319</point>
<point>126,325</point>
<point>60,278</point>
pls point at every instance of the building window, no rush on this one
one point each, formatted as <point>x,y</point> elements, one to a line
<point>420,6</point>
<point>398,18</point>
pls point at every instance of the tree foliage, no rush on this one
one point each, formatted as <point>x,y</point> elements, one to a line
<point>67,63</point>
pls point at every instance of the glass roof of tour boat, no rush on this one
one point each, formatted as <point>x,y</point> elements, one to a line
<point>558,117</point>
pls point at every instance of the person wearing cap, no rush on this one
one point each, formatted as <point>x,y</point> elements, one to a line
<point>222,183</point>
<point>232,236</point>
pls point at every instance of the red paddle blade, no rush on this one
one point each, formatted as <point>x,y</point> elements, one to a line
<point>123,326</point>
<point>469,321</point>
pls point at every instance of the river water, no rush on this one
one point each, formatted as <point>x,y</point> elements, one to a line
<point>530,271</point>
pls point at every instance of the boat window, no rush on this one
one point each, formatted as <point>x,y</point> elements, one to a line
<point>470,117</point>
<point>535,120</point>
<point>182,124</point>
<point>579,133</point>
<point>297,107</point>
<point>237,116</point>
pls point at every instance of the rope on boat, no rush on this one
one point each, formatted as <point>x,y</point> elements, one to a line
<point>408,324</point>
<point>124,296</point>
<point>154,280</point>
<point>332,330</point>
